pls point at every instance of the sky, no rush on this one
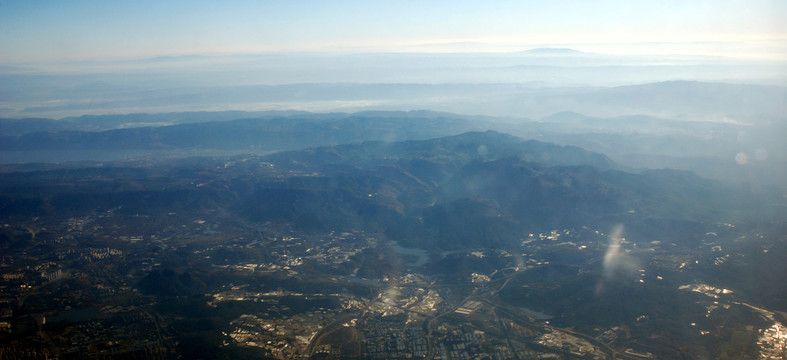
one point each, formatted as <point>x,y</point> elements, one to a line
<point>41,31</point>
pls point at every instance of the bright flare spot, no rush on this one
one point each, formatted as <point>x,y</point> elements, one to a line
<point>741,158</point>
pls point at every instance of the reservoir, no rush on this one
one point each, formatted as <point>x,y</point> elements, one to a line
<point>423,258</point>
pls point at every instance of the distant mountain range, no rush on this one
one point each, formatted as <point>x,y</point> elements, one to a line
<point>249,131</point>
<point>528,97</point>
<point>708,148</point>
<point>97,123</point>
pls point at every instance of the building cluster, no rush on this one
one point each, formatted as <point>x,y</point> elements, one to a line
<point>396,343</point>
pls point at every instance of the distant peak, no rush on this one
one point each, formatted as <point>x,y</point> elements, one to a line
<point>566,117</point>
<point>553,51</point>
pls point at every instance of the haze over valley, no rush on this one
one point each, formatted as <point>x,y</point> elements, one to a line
<point>439,180</point>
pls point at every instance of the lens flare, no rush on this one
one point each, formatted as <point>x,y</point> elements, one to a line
<point>616,262</point>
<point>741,158</point>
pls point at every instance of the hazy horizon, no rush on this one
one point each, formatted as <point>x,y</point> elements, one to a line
<point>79,58</point>
<point>82,30</point>
<point>248,82</point>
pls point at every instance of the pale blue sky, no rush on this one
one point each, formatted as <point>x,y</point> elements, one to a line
<point>32,31</point>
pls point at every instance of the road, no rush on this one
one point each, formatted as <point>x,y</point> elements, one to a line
<point>327,329</point>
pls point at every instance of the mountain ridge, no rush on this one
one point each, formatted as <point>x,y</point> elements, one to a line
<point>418,192</point>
